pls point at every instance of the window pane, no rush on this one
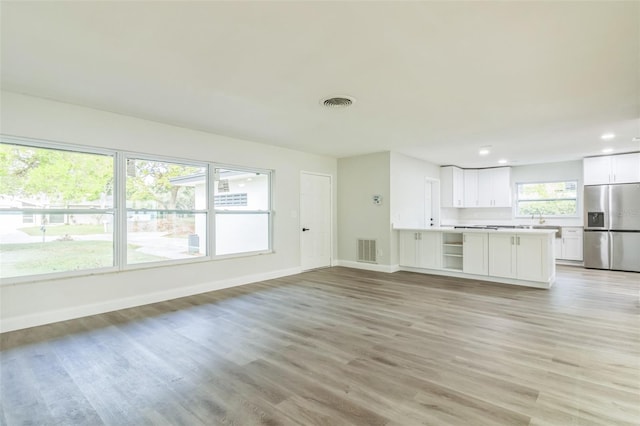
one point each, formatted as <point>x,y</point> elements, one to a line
<point>158,236</point>
<point>541,191</point>
<point>50,178</point>
<point>160,185</point>
<point>80,242</point>
<point>548,198</point>
<point>240,190</point>
<point>548,208</point>
<point>239,233</point>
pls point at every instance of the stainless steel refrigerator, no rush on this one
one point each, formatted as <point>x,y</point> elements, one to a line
<point>612,227</point>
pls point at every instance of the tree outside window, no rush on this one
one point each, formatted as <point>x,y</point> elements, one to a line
<point>547,199</point>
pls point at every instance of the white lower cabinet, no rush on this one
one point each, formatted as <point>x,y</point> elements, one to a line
<point>420,249</point>
<point>520,256</point>
<point>474,253</point>
<point>571,244</point>
<point>515,258</point>
<point>502,255</point>
<point>531,251</point>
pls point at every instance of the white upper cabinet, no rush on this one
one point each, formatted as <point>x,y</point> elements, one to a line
<point>624,168</point>
<point>471,188</point>
<point>502,187</point>
<point>475,187</point>
<point>597,170</point>
<point>452,186</point>
<point>494,187</point>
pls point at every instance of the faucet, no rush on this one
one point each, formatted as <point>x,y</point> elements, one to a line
<point>541,220</point>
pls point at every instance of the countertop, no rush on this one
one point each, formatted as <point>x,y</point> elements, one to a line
<point>491,231</point>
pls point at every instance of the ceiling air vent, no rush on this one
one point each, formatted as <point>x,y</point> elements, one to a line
<point>337,102</point>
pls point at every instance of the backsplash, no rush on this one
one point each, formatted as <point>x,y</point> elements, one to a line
<point>498,216</point>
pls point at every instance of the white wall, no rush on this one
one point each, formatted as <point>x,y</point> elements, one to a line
<point>400,180</point>
<point>408,177</point>
<point>40,302</point>
<point>566,170</point>
<point>359,178</point>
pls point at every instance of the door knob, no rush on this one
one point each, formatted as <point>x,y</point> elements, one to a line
<point>305,229</point>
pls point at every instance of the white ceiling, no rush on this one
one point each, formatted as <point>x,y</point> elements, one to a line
<point>539,81</point>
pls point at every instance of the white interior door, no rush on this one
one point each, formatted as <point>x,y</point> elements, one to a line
<point>428,216</point>
<point>315,221</point>
<point>431,203</point>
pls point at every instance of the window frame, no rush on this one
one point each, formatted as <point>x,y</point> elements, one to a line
<point>119,209</point>
<point>269,212</point>
<point>122,197</point>
<point>42,144</point>
<point>517,213</point>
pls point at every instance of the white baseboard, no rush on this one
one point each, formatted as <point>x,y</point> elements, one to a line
<point>451,273</point>
<point>41,318</point>
<point>368,266</point>
<point>570,262</point>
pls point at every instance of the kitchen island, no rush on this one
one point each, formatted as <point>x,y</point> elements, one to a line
<point>508,255</point>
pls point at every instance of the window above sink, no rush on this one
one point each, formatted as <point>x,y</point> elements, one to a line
<point>547,199</point>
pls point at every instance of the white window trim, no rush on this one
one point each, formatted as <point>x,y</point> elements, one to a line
<point>270,212</point>
<point>516,207</point>
<point>119,210</point>
<point>122,190</point>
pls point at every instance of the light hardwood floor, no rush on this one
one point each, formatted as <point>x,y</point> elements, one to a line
<point>342,347</point>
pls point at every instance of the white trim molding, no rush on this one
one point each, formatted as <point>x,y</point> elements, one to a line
<point>368,266</point>
<point>48,317</point>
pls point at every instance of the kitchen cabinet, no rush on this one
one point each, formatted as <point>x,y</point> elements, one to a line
<point>623,168</point>
<point>452,251</point>
<point>470,188</point>
<point>475,187</point>
<point>420,249</point>
<point>597,170</point>
<point>451,186</point>
<point>569,247</point>
<point>502,255</point>
<point>520,256</point>
<point>474,253</point>
<point>494,187</point>
<point>531,252</point>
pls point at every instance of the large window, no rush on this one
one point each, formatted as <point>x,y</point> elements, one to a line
<point>547,199</point>
<point>66,210</point>
<point>242,225</point>
<point>166,210</point>
<point>56,210</point>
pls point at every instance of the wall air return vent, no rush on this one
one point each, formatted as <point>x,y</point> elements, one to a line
<point>367,251</point>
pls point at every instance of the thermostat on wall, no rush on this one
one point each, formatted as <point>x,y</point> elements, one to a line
<point>377,199</point>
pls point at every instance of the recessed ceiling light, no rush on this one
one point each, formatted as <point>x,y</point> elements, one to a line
<point>635,139</point>
<point>485,150</point>
<point>607,136</point>
<point>503,161</point>
<point>607,150</point>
